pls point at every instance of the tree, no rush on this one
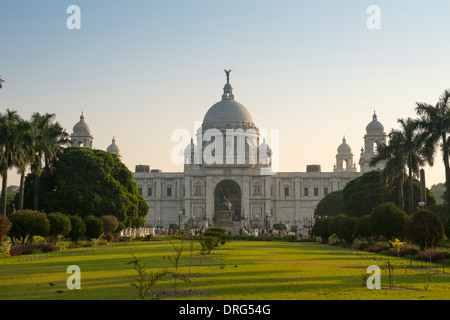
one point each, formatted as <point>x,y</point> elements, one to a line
<point>425,229</point>
<point>1,82</point>
<point>28,223</point>
<point>363,227</point>
<point>59,226</point>
<point>334,225</point>
<point>8,141</point>
<point>90,182</point>
<point>78,228</point>
<point>5,226</point>
<point>23,154</point>
<point>347,228</point>
<point>364,193</point>
<point>110,224</point>
<point>320,228</point>
<point>49,138</point>
<point>94,227</point>
<point>406,148</point>
<point>330,205</point>
<point>434,123</point>
<point>388,220</point>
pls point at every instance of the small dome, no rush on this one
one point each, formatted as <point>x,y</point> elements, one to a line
<point>113,148</point>
<point>189,148</point>
<point>82,127</point>
<point>375,127</point>
<point>344,148</point>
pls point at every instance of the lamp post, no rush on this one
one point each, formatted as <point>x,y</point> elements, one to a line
<point>179,220</point>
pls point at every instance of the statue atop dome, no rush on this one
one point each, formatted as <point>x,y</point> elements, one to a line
<point>228,75</point>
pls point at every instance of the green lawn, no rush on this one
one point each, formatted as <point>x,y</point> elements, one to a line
<point>238,270</point>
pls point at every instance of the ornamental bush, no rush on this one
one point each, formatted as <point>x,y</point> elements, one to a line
<point>94,227</point>
<point>59,226</point>
<point>388,220</point>
<point>28,223</point>
<point>78,228</point>
<point>110,224</point>
<point>425,229</point>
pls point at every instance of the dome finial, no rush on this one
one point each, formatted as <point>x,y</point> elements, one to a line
<point>228,89</point>
<point>374,115</point>
<point>228,75</point>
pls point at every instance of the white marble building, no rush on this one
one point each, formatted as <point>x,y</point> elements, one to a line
<point>227,179</point>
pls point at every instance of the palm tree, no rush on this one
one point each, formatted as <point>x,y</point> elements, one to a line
<point>23,155</point>
<point>406,149</point>
<point>394,170</point>
<point>434,123</point>
<point>8,130</point>
<point>1,82</point>
<point>48,141</point>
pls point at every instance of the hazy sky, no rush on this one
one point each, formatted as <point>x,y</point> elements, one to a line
<point>141,69</point>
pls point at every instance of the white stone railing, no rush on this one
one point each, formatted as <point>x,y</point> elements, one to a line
<point>137,232</point>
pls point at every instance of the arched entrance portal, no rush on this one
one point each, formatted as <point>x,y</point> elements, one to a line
<point>227,203</point>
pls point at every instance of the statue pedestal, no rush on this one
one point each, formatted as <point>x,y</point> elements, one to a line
<point>224,218</point>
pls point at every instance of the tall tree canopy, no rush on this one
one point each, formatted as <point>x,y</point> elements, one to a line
<point>89,182</point>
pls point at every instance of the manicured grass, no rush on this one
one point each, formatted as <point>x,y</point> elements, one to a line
<point>238,270</point>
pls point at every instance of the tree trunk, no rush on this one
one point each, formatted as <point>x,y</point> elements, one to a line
<point>401,194</point>
<point>36,192</point>
<point>447,171</point>
<point>4,192</point>
<point>411,193</point>
<point>22,189</point>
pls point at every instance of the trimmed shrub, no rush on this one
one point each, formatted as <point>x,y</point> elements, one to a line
<point>347,229</point>
<point>320,229</point>
<point>425,229</point>
<point>110,224</point>
<point>78,228</point>
<point>388,220</point>
<point>28,223</point>
<point>59,226</point>
<point>363,228</point>
<point>94,227</point>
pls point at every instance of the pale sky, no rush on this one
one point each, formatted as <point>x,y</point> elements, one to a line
<point>139,70</point>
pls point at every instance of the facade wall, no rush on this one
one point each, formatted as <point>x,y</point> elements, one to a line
<point>288,197</point>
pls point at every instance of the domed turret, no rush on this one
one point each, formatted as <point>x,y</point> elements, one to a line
<point>375,127</point>
<point>375,136</point>
<point>344,158</point>
<point>81,136</point>
<point>114,149</point>
<point>344,148</point>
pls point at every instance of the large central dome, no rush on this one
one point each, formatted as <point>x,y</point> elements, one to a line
<point>228,112</point>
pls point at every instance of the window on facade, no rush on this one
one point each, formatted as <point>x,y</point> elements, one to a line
<point>169,192</point>
<point>306,192</point>
<point>286,192</point>
<point>316,192</point>
<point>198,190</point>
<point>325,191</point>
<point>140,191</point>
<point>149,192</point>
<point>256,189</point>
